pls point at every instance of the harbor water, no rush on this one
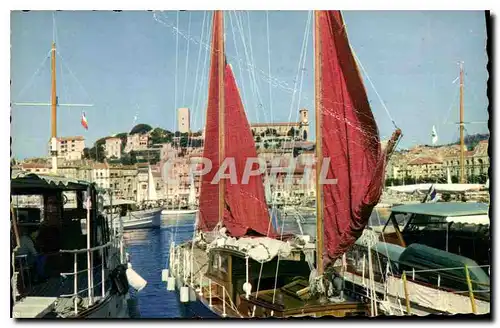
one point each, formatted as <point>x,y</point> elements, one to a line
<point>149,255</point>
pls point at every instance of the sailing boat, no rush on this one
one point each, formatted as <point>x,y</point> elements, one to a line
<point>56,291</point>
<point>192,202</point>
<point>249,270</point>
<point>143,218</point>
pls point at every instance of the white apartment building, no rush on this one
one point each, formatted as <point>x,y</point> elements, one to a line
<point>113,147</point>
<point>70,148</point>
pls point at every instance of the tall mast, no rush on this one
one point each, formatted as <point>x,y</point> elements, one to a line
<point>319,151</point>
<point>220,36</point>
<point>462,142</point>
<point>54,92</point>
<point>53,139</point>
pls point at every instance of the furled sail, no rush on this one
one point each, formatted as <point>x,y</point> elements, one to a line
<point>152,196</point>
<point>349,139</point>
<point>245,211</point>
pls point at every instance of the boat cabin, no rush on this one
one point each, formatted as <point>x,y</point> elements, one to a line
<point>50,235</point>
<point>460,228</point>
<point>279,295</point>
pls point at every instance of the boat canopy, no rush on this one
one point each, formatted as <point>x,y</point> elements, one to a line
<point>391,251</point>
<point>426,260</point>
<point>452,209</point>
<point>28,183</point>
<point>440,187</point>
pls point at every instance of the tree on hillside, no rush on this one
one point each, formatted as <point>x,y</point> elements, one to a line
<point>129,159</point>
<point>159,135</point>
<point>86,153</point>
<point>141,128</point>
<point>97,153</point>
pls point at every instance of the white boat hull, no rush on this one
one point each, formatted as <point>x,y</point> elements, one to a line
<point>145,219</point>
<point>115,307</point>
<point>173,212</point>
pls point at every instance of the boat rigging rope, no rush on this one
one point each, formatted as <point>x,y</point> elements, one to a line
<point>248,50</point>
<point>302,59</point>
<point>187,62</point>
<point>243,88</point>
<point>269,64</point>
<point>30,80</point>
<point>250,67</point>
<point>374,89</point>
<point>173,236</point>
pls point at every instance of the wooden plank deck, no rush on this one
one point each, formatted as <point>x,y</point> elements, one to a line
<point>51,290</point>
<point>33,307</point>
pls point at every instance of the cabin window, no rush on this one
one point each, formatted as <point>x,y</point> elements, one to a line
<point>220,266</point>
<point>402,219</point>
<point>421,222</point>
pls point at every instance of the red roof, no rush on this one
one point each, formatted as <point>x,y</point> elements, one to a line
<point>425,160</point>
<point>71,138</point>
<point>35,166</point>
<point>100,166</point>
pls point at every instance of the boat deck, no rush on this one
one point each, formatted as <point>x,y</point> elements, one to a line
<point>54,287</point>
<point>285,302</point>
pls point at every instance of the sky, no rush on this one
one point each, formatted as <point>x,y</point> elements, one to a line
<point>147,64</point>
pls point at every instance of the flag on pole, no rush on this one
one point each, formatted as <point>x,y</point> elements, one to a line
<point>431,196</point>
<point>84,121</point>
<point>434,135</point>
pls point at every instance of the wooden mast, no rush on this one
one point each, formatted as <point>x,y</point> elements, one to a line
<point>53,104</point>
<point>319,151</point>
<point>54,93</point>
<point>220,36</point>
<point>462,142</point>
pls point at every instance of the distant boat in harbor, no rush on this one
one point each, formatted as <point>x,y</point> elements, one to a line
<point>192,203</point>
<point>132,218</point>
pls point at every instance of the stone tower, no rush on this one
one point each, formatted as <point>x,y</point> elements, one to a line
<point>183,120</point>
<point>304,123</point>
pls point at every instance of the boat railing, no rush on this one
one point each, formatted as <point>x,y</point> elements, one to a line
<point>411,275</point>
<point>474,288</point>
<point>226,297</point>
<point>113,245</point>
<point>189,278</point>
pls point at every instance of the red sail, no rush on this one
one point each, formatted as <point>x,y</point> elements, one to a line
<point>350,139</point>
<point>245,210</point>
<point>209,193</point>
